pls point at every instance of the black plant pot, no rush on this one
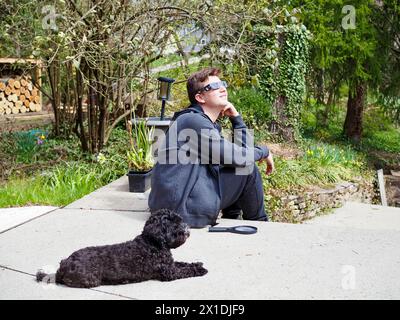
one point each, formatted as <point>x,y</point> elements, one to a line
<point>139,181</point>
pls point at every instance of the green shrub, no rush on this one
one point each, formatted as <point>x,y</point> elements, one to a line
<point>38,146</point>
<point>311,126</point>
<point>380,132</point>
<point>308,121</point>
<point>252,105</point>
<point>375,120</point>
<point>388,141</point>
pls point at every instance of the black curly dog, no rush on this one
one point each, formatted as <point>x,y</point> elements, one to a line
<point>147,257</point>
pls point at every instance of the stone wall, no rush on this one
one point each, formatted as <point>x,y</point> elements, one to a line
<point>297,208</point>
<point>392,183</point>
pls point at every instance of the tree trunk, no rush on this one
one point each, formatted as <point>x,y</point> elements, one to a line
<point>355,106</point>
<point>79,128</point>
<point>53,73</point>
<point>320,87</point>
<point>279,126</point>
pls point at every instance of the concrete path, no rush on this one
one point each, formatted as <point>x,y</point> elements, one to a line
<point>13,217</point>
<point>361,216</point>
<point>355,256</point>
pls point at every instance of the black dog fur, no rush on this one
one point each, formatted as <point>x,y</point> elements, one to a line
<point>147,257</point>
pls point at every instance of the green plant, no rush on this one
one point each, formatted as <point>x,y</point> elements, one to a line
<point>380,133</point>
<point>60,185</point>
<point>140,140</point>
<point>388,141</point>
<point>321,164</point>
<point>325,155</point>
<point>28,144</point>
<point>70,176</point>
<point>252,105</point>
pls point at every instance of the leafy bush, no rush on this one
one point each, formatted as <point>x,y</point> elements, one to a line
<point>34,146</point>
<point>380,132</point>
<point>308,121</point>
<point>311,126</point>
<point>252,105</point>
<point>388,141</point>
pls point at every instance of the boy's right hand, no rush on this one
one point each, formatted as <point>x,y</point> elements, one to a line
<point>270,164</point>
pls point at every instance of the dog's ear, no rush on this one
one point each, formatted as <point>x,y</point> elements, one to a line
<point>154,228</point>
<point>166,216</point>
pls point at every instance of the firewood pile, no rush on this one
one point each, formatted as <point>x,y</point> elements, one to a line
<point>18,95</point>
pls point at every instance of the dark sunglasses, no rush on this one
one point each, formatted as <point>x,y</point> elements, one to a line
<point>214,86</point>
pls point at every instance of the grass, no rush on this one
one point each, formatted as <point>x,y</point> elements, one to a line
<point>388,141</point>
<point>379,132</point>
<point>74,176</point>
<point>321,164</point>
<point>59,186</point>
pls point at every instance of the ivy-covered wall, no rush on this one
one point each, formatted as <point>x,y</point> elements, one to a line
<point>281,66</point>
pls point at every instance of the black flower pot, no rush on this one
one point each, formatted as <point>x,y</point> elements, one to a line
<point>139,181</point>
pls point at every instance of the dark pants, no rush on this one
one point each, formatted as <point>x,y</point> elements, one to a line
<point>242,192</point>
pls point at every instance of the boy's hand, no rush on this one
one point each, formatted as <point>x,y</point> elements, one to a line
<point>270,164</point>
<point>229,111</point>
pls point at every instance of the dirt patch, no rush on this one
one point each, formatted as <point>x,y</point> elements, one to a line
<point>286,151</point>
<point>26,121</point>
<point>385,160</point>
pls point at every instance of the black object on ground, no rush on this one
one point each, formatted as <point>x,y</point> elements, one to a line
<point>237,229</point>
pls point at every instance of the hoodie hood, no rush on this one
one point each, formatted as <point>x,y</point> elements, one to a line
<point>192,108</point>
<point>195,108</point>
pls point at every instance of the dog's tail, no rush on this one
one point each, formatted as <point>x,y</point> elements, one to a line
<point>42,276</point>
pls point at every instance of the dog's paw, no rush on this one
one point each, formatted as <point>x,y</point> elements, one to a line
<point>199,269</point>
<point>197,264</point>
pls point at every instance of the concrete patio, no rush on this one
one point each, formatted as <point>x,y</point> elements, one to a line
<point>350,254</point>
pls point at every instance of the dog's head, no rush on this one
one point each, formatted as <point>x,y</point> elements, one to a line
<point>166,228</point>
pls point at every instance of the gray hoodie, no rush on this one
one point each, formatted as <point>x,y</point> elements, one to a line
<point>189,183</point>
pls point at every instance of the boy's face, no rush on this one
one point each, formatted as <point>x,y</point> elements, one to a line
<point>217,98</point>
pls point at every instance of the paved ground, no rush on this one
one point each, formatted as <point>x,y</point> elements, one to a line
<point>12,217</point>
<point>352,254</point>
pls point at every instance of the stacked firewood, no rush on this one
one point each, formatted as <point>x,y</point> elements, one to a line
<point>18,95</point>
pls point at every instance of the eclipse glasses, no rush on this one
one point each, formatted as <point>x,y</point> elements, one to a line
<point>214,86</point>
